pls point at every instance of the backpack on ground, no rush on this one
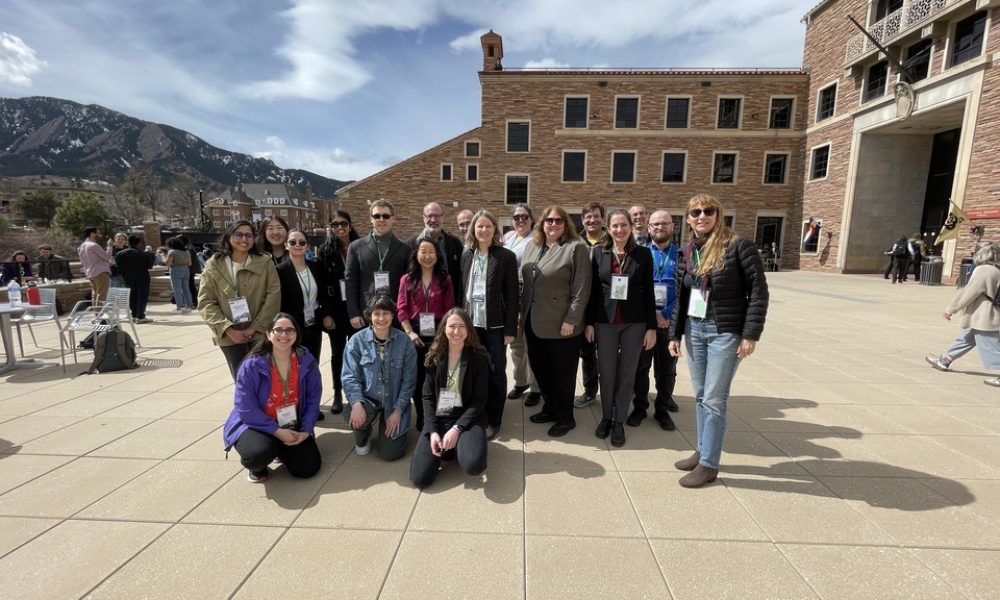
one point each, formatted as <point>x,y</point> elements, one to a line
<point>87,343</point>
<point>114,350</point>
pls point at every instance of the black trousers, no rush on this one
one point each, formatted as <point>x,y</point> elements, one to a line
<point>138,298</point>
<point>554,363</point>
<point>591,372</point>
<point>257,450</point>
<point>915,263</point>
<point>492,340</point>
<point>418,392</point>
<point>664,370</point>
<point>234,356</point>
<point>312,339</point>
<point>470,450</point>
<point>338,341</point>
<point>900,266</point>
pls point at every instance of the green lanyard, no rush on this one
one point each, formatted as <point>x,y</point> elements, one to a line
<point>283,380</point>
<point>307,287</point>
<point>381,256</point>
<point>453,375</point>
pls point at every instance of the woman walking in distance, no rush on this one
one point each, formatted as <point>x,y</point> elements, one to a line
<point>621,317</point>
<point>720,313</point>
<point>557,277</point>
<point>332,256</point>
<point>454,397</point>
<point>239,293</point>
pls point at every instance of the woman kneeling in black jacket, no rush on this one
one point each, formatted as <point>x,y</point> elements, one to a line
<point>454,397</point>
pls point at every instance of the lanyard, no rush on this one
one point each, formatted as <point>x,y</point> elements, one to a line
<point>453,375</point>
<point>620,259</point>
<point>481,264</point>
<point>516,242</point>
<point>283,380</point>
<point>381,255</point>
<point>427,295</point>
<point>305,281</point>
<point>660,260</point>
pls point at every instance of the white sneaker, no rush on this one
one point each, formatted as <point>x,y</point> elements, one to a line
<point>937,362</point>
<point>363,450</point>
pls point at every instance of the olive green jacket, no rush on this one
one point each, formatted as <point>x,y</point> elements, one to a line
<point>258,283</point>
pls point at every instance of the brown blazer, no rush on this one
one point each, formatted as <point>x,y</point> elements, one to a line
<point>556,288</point>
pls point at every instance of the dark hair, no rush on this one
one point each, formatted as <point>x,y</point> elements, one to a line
<point>264,345</point>
<point>592,206</point>
<point>531,215</point>
<point>380,302</point>
<point>415,271</point>
<point>175,243</point>
<point>352,234</point>
<point>608,243</point>
<point>134,241</point>
<point>88,231</point>
<point>262,241</point>
<point>439,347</point>
<point>296,229</point>
<point>13,257</point>
<point>225,247</point>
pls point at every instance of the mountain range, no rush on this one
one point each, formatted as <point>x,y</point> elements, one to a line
<point>50,136</point>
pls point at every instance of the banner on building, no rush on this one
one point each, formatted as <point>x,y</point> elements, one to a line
<point>950,229</point>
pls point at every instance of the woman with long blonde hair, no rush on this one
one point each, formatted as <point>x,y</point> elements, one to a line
<point>720,311</point>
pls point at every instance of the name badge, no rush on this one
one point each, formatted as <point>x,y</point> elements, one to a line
<point>619,287</point>
<point>698,304</point>
<point>381,282</point>
<point>426,324</point>
<point>660,294</point>
<point>343,289</point>
<point>309,314</point>
<point>240,310</point>
<point>478,290</point>
<point>288,416</point>
<point>447,401</point>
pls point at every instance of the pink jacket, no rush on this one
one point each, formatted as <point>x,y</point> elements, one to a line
<point>410,305</point>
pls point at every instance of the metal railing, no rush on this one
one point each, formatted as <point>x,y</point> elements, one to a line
<point>913,13</point>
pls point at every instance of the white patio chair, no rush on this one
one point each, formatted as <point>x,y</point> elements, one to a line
<point>46,311</point>
<point>85,316</point>
<point>118,299</point>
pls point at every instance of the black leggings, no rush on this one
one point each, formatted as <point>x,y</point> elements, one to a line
<point>471,452</point>
<point>258,449</point>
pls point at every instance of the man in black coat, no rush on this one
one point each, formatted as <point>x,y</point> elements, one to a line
<point>449,247</point>
<point>133,266</point>
<point>375,263</point>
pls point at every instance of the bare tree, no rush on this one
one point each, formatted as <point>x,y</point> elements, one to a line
<point>145,185</point>
<point>124,205</point>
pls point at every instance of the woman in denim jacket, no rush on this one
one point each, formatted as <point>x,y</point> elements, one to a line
<point>379,376</point>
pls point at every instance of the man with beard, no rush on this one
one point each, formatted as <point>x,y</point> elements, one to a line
<point>449,247</point>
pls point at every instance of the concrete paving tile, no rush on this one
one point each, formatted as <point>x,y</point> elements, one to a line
<point>594,568</point>
<point>33,401</point>
<point>786,508</point>
<point>973,450</point>
<point>159,439</point>
<point>16,432</point>
<point>375,496</point>
<point>751,452</point>
<point>866,573</point>
<point>66,490</point>
<point>71,558</point>
<point>154,405</point>
<point>209,447</point>
<point>835,456</point>
<point>83,437</point>
<point>233,553</point>
<point>90,404</point>
<point>164,493</point>
<point>938,456</point>
<point>666,510</point>
<point>16,469</point>
<point>17,531</point>
<point>577,451</point>
<point>971,572</point>
<point>852,420</point>
<point>207,383</point>
<point>980,496</point>
<point>931,421</point>
<point>309,562</point>
<point>457,565</point>
<point>983,417</point>
<point>728,570</point>
<point>649,448</point>
<point>490,503</point>
<point>604,508</point>
<point>774,417</point>
<point>210,408</point>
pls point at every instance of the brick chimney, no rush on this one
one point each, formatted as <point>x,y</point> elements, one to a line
<point>492,51</point>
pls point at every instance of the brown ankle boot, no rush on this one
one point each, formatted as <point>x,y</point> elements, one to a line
<point>700,476</point>
<point>689,463</point>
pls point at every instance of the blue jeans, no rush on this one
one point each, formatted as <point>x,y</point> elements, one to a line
<point>179,284</point>
<point>712,362</point>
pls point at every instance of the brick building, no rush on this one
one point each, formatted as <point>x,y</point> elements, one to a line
<point>883,159</point>
<point>621,137</point>
<point>258,201</point>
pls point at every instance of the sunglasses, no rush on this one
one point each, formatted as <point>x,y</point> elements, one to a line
<point>283,331</point>
<point>697,212</point>
<point>520,217</point>
<point>381,216</point>
<point>239,235</point>
<point>297,243</point>
<point>554,221</point>
<point>340,224</point>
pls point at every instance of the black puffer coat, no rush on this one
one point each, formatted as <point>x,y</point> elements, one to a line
<point>738,298</point>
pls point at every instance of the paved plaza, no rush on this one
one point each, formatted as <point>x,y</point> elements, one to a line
<point>851,470</point>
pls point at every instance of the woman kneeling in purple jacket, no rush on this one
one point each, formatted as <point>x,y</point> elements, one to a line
<point>278,389</point>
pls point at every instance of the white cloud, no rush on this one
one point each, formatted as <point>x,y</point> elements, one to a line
<point>275,142</point>
<point>545,63</point>
<point>336,163</point>
<point>17,60</point>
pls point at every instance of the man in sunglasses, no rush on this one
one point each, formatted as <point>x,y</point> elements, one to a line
<point>449,247</point>
<point>375,263</point>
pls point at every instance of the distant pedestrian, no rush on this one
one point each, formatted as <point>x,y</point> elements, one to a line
<point>899,260</point>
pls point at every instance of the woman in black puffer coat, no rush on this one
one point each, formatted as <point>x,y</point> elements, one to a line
<point>720,309</point>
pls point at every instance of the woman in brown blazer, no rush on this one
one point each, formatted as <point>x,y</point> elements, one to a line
<point>557,277</point>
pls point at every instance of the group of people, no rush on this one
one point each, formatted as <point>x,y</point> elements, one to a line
<point>419,329</point>
<point>905,255</point>
<point>51,267</point>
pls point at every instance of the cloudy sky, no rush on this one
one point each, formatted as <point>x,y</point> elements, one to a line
<point>345,88</point>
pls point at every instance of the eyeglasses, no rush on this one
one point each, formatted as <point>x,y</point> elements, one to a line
<point>520,217</point>
<point>381,216</point>
<point>283,330</point>
<point>340,224</point>
<point>465,224</point>
<point>297,243</point>
<point>554,221</point>
<point>664,224</point>
<point>239,235</point>
<point>697,212</point>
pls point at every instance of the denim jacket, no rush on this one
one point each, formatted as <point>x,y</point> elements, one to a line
<point>362,376</point>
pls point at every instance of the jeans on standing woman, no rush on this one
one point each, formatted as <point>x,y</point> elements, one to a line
<point>712,362</point>
<point>179,284</point>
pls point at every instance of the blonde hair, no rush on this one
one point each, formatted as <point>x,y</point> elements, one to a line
<point>713,251</point>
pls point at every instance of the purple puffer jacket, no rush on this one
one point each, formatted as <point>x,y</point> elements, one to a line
<point>253,385</point>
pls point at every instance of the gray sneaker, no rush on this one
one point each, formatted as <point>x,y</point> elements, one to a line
<point>938,362</point>
<point>583,400</point>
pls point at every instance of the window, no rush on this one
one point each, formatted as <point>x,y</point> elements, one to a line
<point>969,38</point>
<point>775,166</point>
<point>729,113</point>
<point>574,166</point>
<point>918,59</point>
<point>471,149</point>
<point>781,113</point>
<point>472,172</point>
<point>623,167</point>
<point>678,112</point>
<point>810,235</point>
<point>673,167</point>
<point>827,103</point>
<point>884,8</point>
<point>875,83</point>
<point>626,113</point>
<point>820,162</point>
<point>576,113</point>
<point>518,136</point>
<point>678,228</point>
<point>446,172</point>
<point>768,232</point>
<point>517,189</point>
<point>724,167</point>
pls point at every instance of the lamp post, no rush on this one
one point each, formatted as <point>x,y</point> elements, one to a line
<point>201,208</point>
